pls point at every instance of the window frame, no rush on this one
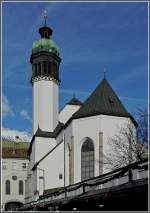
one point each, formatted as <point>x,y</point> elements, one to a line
<point>4,166</point>
<point>87,159</point>
<point>21,187</point>
<point>24,164</point>
<point>7,187</point>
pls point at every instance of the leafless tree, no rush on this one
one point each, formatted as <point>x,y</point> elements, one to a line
<point>142,131</point>
<point>129,145</point>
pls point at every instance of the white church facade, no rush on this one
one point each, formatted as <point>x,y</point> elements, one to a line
<point>67,146</point>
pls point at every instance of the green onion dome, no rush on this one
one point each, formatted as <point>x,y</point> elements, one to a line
<point>45,44</point>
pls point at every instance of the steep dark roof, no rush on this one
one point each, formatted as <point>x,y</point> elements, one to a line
<point>74,101</point>
<point>45,134</point>
<point>102,101</point>
<point>53,190</point>
<point>41,133</point>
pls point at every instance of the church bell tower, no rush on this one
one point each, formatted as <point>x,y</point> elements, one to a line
<point>45,62</point>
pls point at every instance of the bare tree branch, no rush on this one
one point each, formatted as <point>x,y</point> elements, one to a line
<point>129,144</point>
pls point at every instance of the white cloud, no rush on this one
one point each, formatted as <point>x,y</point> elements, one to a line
<point>24,114</point>
<point>12,133</point>
<point>6,107</point>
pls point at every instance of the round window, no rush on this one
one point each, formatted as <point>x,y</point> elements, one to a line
<point>14,177</point>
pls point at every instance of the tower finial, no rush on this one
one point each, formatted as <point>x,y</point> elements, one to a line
<point>45,31</point>
<point>104,73</point>
<point>45,17</point>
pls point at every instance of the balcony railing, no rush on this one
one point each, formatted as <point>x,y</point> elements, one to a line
<point>135,171</point>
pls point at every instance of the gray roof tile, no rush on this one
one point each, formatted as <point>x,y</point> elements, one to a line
<point>102,101</point>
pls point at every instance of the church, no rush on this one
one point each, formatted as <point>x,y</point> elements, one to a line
<point>70,145</point>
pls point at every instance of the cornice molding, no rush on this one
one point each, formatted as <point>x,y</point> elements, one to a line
<point>46,78</point>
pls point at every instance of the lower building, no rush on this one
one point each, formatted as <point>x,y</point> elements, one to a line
<point>14,174</point>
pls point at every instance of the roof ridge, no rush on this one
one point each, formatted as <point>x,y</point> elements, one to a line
<point>42,133</point>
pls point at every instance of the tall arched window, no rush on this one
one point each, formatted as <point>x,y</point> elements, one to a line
<point>20,187</point>
<point>7,187</point>
<point>87,159</point>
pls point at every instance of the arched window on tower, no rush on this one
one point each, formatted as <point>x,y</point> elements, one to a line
<point>45,67</point>
<point>45,34</point>
<point>87,159</point>
<point>39,68</point>
<point>52,70</point>
<point>36,70</point>
<point>55,72</point>
<point>7,187</point>
<point>20,187</point>
<point>49,68</point>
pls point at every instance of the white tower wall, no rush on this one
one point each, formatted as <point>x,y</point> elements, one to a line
<point>45,105</point>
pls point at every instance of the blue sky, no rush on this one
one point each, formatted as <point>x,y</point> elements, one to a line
<point>92,37</point>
